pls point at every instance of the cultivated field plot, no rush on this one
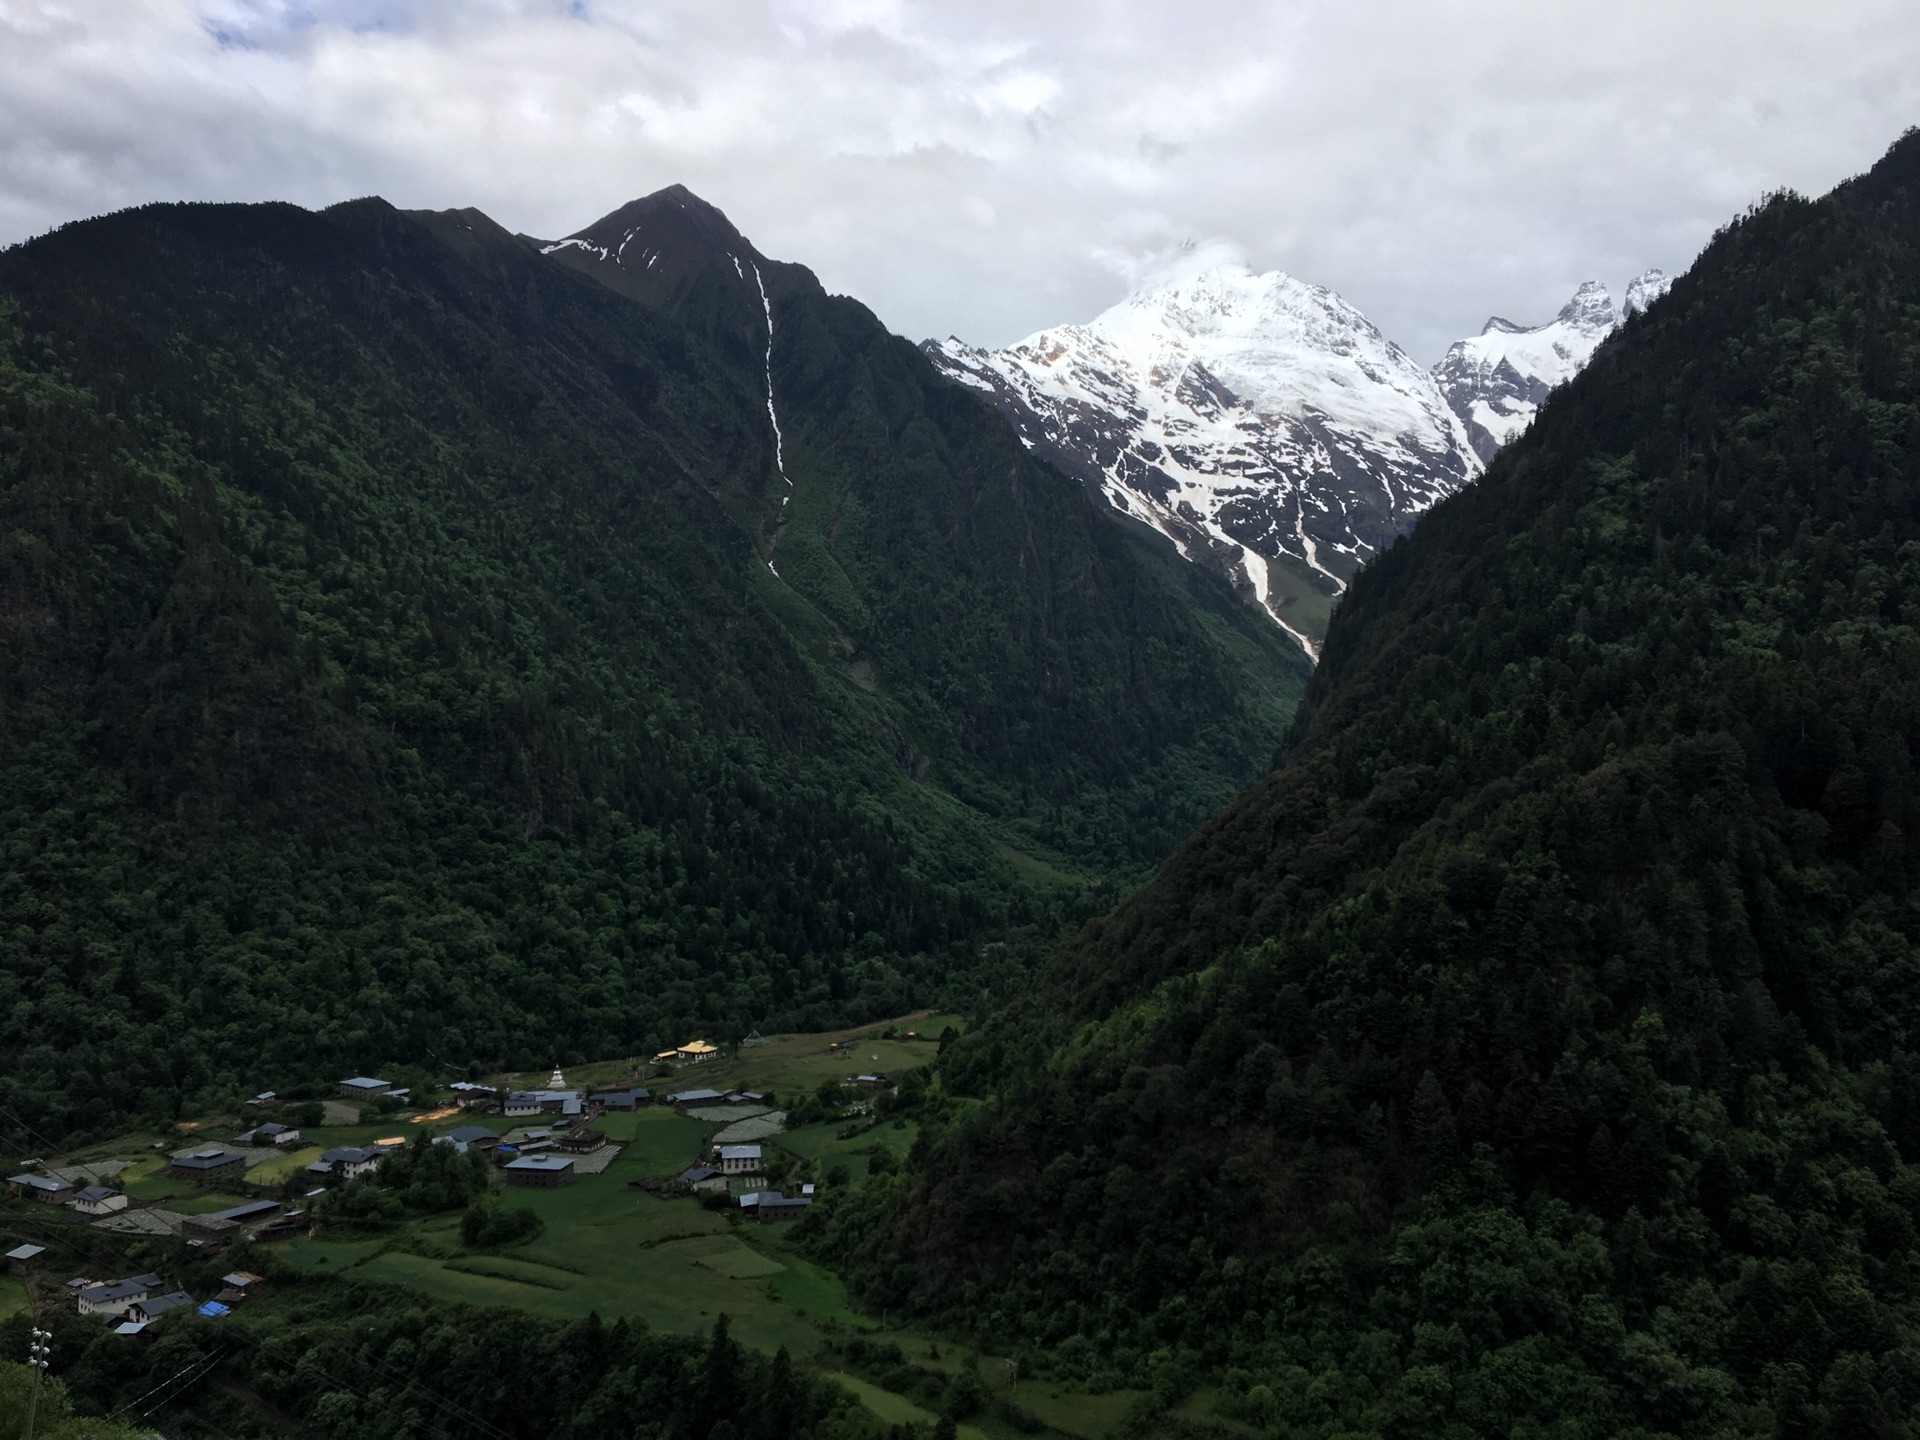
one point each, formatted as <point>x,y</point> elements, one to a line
<point>823,1143</point>
<point>726,1255</point>
<point>597,1161</point>
<point>658,1142</point>
<point>100,1172</point>
<point>152,1221</point>
<point>727,1114</point>
<point>287,1162</point>
<point>757,1127</point>
<point>614,1250</point>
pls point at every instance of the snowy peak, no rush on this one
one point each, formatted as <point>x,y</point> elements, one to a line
<point>1261,423</point>
<point>1644,289</point>
<point>1282,346</point>
<point>1496,381</point>
<point>1589,311</point>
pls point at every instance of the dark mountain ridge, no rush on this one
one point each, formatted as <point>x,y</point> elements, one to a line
<point>391,672</point>
<point>1537,1051</point>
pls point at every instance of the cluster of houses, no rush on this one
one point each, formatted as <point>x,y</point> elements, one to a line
<point>729,1163</point>
<point>132,1304</point>
<point>91,1201</point>
<point>555,1099</point>
<point>537,1156</point>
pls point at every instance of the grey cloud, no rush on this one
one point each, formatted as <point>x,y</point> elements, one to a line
<point>990,169</point>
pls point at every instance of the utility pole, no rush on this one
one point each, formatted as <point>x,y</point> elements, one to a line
<point>39,1345</point>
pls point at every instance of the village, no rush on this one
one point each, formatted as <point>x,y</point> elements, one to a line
<point>599,1153</point>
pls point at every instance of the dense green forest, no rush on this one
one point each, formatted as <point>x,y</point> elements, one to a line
<point>392,669</point>
<point>338,1360</point>
<point>1537,1051</point>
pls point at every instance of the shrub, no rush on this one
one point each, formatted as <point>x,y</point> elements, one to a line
<point>488,1223</point>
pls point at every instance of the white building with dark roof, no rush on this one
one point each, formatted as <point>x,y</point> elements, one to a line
<point>97,1200</point>
<point>116,1297</point>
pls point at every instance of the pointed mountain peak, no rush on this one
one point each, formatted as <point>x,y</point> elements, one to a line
<point>1591,308</point>
<point>675,208</point>
<point>666,249</point>
<point>671,221</point>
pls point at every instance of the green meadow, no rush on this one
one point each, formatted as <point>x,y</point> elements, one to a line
<point>610,1248</point>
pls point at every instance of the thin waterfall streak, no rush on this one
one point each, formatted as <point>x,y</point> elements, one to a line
<point>779,446</point>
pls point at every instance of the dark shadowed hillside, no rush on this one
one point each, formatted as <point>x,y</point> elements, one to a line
<point>391,669</point>
<point>1538,1051</point>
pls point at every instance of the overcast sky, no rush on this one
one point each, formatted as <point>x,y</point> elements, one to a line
<point>988,169</point>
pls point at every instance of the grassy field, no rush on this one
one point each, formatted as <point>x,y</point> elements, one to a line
<point>272,1172</point>
<point>658,1142</point>
<point>620,1251</point>
<point>617,1251</point>
<point>897,1409</point>
<point>822,1143</point>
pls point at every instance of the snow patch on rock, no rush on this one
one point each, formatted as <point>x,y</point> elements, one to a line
<point>1261,423</point>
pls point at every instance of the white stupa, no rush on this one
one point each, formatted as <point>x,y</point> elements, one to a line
<point>558,1082</point>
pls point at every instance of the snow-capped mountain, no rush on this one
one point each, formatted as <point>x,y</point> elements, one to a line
<point>1260,423</point>
<point>1496,380</point>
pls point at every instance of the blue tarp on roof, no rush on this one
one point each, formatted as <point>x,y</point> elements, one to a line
<point>215,1308</point>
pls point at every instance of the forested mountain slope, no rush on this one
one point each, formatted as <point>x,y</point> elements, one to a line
<point>1537,1052</point>
<point>390,668</point>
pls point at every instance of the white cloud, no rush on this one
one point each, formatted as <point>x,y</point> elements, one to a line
<point>992,168</point>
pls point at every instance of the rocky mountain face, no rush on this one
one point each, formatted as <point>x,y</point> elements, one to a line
<point>1267,428</point>
<point>1496,380</point>
<point>1260,423</point>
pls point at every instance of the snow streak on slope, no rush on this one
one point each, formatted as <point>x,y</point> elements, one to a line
<point>1260,423</point>
<point>779,444</point>
<point>1497,380</point>
<point>773,418</point>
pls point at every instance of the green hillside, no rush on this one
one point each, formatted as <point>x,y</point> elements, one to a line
<point>1536,1053</point>
<point>391,671</point>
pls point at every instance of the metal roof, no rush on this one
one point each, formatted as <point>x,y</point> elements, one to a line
<point>39,1182</point>
<point>249,1211</point>
<point>540,1162</point>
<point>211,1157</point>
